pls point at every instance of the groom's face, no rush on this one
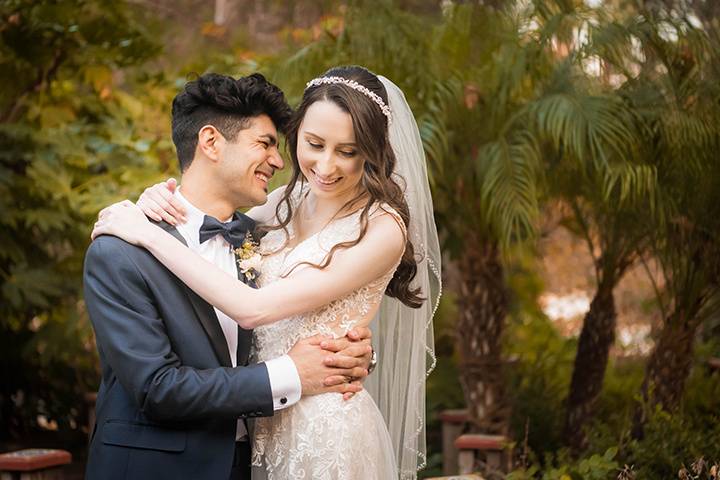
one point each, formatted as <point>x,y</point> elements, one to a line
<point>248,162</point>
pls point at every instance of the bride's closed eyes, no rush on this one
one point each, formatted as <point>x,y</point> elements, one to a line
<point>319,146</point>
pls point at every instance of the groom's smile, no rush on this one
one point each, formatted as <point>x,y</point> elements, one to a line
<point>264,176</point>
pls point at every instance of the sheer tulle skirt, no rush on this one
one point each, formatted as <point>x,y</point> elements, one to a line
<point>324,437</point>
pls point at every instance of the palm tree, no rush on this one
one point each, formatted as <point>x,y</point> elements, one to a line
<point>613,229</point>
<point>587,139</point>
<point>667,183</point>
<point>542,123</point>
<point>486,167</point>
<point>677,96</point>
<point>609,202</point>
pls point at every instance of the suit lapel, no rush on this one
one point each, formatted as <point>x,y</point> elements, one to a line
<point>243,348</point>
<point>204,311</point>
<point>244,339</point>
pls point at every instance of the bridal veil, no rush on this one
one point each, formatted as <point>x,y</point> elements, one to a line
<point>403,336</point>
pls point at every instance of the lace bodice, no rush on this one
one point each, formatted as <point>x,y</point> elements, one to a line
<point>281,254</point>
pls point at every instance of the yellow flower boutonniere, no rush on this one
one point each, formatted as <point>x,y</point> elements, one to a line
<point>248,259</point>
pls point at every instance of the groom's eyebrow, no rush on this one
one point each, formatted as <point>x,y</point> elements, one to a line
<point>271,139</point>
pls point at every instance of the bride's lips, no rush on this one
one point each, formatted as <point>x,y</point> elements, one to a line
<point>324,183</point>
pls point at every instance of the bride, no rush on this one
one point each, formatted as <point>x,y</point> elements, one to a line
<point>353,231</point>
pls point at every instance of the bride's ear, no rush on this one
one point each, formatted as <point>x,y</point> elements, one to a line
<point>209,140</point>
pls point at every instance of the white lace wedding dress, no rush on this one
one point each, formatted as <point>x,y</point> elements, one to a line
<point>322,437</point>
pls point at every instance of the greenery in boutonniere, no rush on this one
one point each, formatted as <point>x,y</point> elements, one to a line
<point>248,259</point>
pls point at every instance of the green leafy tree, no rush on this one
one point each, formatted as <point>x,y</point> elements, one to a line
<point>73,137</point>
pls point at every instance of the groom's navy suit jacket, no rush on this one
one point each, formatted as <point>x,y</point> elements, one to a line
<point>169,398</point>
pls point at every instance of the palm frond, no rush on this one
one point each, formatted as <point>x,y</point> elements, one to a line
<point>591,129</point>
<point>508,170</point>
<point>434,126</point>
<point>629,185</point>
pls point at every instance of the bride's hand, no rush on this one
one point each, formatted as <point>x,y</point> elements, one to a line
<point>159,203</point>
<point>124,220</point>
<point>355,344</point>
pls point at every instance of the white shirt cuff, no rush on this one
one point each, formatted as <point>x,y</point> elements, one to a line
<point>284,382</point>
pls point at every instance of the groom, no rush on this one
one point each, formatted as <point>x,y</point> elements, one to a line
<point>176,387</point>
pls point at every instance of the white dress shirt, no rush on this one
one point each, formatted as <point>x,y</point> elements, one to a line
<point>284,379</point>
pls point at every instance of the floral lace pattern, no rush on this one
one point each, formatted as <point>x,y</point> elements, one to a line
<point>322,436</point>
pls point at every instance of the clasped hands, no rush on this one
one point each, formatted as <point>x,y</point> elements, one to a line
<point>333,365</point>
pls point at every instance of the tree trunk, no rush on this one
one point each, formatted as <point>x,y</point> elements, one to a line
<point>220,12</point>
<point>482,303</point>
<point>596,339</point>
<point>668,368</point>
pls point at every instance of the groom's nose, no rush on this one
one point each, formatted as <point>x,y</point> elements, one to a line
<point>275,159</point>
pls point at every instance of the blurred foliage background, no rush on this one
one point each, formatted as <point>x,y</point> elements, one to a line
<point>565,138</point>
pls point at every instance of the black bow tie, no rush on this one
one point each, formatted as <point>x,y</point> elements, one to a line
<point>233,231</point>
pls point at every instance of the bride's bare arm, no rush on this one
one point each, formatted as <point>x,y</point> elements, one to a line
<point>159,203</point>
<point>306,289</point>
<point>265,214</point>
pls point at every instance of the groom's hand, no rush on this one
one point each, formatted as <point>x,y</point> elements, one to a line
<point>315,365</point>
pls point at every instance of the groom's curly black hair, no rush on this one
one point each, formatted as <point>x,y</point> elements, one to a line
<point>226,103</point>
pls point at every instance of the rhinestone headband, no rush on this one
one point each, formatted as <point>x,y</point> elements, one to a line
<point>355,86</point>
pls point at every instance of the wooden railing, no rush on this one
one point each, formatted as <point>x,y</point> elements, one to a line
<point>34,464</point>
<point>463,452</point>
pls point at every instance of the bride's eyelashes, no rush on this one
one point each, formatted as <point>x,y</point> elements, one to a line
<point>344,153</point>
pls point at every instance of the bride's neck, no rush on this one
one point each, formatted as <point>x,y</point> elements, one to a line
<point>326,207</point>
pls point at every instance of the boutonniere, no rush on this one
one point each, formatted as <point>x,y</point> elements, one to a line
<point>248,258</point>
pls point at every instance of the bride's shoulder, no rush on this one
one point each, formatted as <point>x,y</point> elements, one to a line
<point>384,213</point>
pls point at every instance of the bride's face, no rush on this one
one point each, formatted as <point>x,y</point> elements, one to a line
<point>327,153</point>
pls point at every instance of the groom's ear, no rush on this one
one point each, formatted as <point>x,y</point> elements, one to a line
<point>209,139</point>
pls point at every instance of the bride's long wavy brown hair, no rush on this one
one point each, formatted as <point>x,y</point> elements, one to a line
<point>378,185</point>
